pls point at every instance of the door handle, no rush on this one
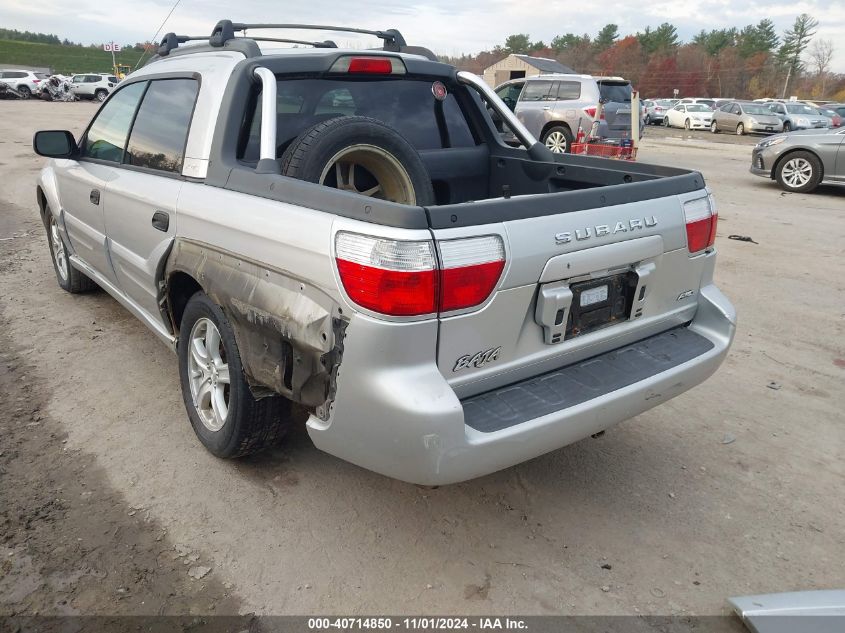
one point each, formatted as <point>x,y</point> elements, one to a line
<point>161,221</point>
<point>94,197</point>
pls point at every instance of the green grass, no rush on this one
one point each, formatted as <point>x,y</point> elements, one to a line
<point>63,59</point>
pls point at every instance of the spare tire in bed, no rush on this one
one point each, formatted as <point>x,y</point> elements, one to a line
<point>361,155</point>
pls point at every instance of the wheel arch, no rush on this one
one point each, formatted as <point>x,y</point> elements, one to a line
<point>289,332</point>
<point>555,123</point>
<point>792,151</point>
<point>41,197</point>
<point>178,289</point>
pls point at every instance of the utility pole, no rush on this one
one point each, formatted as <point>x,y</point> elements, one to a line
<point>786,83</point>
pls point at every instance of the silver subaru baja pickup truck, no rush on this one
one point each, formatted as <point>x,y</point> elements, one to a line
<point>344,231</point>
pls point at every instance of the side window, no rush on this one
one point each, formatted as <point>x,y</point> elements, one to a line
<point>160,131</point>
<point>77,79</point>
<point>537,91</point>
<point>106,137</point>
<point>571,90</point>
<point>736,110</point>
<point>510,94</point>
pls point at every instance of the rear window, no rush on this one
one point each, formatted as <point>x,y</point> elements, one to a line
<point>616,91</point>
<point>406,105</point>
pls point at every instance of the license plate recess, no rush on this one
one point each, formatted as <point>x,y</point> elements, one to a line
<point>601,308</point>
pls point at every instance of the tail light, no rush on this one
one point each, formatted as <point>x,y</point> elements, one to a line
<point>701,219</point>
<point>591,112</point>
<point>36,81</point>
<point>403,278</point>
<point>388,276</point>
<point>470,270</point>
<point>369,65</point>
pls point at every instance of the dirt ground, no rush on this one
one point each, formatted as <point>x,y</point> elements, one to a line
<point>109,505</point>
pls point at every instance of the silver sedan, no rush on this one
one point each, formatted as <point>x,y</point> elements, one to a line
<point>801,161</point>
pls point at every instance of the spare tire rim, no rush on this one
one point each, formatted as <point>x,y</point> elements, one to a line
<point>208,375</point>
<point>369,171</point>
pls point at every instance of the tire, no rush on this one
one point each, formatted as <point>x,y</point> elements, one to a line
<point>714,128</point>
<point>69,278</point>
<point>740,129</point>
<point>787,127</point>
<point>666,121</point>
<point>26,93</point>
<point>249,425</point>
<point>363,146</point>
<point>558,139</point>
<point>101,95</point>
<point>799,172</point>
<point>687,125</point>
<point>647,119</point>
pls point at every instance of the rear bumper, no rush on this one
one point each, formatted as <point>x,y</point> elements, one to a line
<point>406,422</point>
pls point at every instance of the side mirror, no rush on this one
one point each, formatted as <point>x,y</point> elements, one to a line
<point>54,144</point>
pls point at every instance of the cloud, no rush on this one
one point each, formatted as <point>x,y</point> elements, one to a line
<point>446,26</point>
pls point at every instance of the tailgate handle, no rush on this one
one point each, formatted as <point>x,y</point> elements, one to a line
<point>552,312</point>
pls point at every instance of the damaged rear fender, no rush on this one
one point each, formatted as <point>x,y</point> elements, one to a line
<point>289,333</point>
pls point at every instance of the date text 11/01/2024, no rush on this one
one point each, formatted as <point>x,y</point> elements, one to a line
<point>417,623</point>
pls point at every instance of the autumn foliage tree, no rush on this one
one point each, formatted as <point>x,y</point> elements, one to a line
<point>748,62</point>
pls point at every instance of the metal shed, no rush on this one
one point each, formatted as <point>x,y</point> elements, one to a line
<point>516,66</point>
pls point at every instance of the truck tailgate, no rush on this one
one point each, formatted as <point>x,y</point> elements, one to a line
<point>576,284</point>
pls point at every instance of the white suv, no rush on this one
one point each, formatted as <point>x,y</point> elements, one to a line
<point>26,82</point>
<point>93,86</point>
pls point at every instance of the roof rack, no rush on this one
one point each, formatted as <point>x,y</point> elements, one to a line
<point>224,31</point>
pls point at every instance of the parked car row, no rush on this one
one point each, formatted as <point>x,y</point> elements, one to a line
<point>27,84</point>
<point>742,117</point>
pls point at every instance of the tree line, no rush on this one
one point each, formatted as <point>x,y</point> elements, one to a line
<point>749,62</point>
<point>49,38</point>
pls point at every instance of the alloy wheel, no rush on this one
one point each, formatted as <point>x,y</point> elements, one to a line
<point>797,172</point>
<point>369,171</point>
<point>208,373</point>
<point>556,142</point>
<point>58,248</point>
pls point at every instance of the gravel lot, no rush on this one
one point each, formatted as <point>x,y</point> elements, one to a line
<point>734,488</point>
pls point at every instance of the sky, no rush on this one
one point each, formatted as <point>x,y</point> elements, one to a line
<point>448,27</point>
